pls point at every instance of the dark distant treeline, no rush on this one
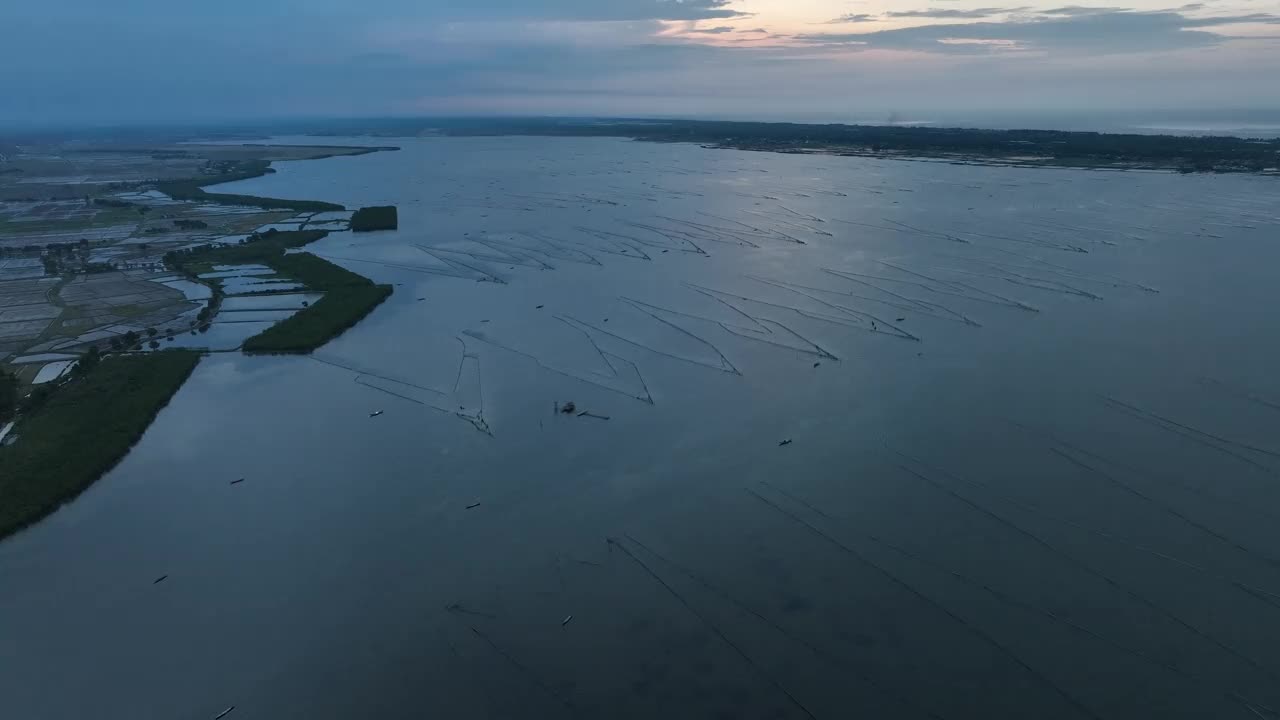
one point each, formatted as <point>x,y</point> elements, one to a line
<point>1049,147</point>
<point>1052,147</point>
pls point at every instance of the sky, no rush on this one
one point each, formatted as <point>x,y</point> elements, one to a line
<point>128,61</point>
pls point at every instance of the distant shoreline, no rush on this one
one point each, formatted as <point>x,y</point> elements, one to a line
<point>1019,148</point>
<point>193,189</point>
<point>1105,149</point>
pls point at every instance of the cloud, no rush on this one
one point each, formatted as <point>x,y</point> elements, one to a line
<point>929,13</point>
<point>950,13</point>
<point>1064,30</point>
<point>1078,10</point>
<point>853,18</point>
<point>160,60</point>
<point>163,11</point>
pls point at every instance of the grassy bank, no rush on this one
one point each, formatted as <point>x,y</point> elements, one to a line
<point>85,427</point>
<point>348,297</point>
<point>193,189</point>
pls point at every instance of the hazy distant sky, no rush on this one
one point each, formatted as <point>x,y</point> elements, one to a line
<point>129,60</point>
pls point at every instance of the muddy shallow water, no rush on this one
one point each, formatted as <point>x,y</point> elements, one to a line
<point>1032,465</point>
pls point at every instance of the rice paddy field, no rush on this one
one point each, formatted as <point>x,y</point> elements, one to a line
<point>97,205</point>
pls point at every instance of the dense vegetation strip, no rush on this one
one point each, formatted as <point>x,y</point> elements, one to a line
<point>381,217</point>
<point>82,429</point>
<point>339,310</point>
<point>192,189</point>
<point>348,297</point>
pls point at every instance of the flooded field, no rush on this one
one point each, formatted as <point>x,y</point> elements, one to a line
<point>848,438</point>
<point>98,220</point>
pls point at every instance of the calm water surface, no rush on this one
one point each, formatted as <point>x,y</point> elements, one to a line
<point>1031,472</point>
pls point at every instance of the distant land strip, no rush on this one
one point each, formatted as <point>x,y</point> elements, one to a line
<point>1024,148</point>
<point>193,189</point>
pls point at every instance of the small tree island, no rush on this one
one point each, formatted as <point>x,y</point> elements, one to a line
<point>382,217</point>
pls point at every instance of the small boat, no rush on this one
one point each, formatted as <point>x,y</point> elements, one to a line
<point>224,713</point>
<point>375,413</point>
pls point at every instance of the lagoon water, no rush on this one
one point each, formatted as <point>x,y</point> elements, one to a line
<point>1034,451</point>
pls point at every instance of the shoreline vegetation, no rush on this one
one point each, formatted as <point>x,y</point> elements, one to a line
<point>348,297</point>
<point>1022,148</point>
<point>83,429</point>
<point>193,189</point>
